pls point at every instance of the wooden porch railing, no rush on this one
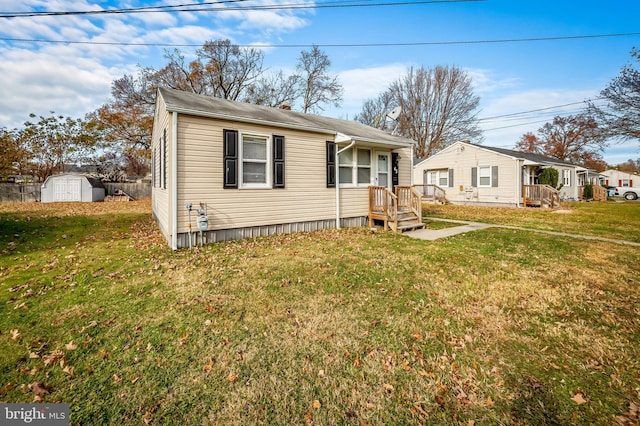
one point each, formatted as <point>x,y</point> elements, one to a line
<point>385,205</point>
<point>432,192</point>
<point>540,195</point>
<point>599,193</point>
<point>409,199</point>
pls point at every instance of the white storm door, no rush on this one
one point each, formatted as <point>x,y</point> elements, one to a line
<point>383,169</point>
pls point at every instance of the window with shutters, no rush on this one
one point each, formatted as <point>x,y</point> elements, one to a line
<point>255,165</point>
<point>566,177</point>
<point>625,183</point>
<point>484,176</point>
<point>438,177</point>
<point>354,168</point>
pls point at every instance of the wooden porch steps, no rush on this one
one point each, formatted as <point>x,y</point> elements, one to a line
<point>408,221</point>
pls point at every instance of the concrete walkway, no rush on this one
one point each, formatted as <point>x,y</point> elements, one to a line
<point>465,226</point>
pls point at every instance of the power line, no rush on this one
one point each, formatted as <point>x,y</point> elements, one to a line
<point>536,110</point>
<point>188,8</point>
<point>267,45</point>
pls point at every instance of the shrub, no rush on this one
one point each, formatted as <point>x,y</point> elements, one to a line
<point>587,193</point>
<point>549,176</point>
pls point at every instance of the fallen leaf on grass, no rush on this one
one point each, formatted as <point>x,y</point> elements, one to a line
<point>316,404</point>
<point>6,388</point>
<point>39,388</point>
<point>69,371</point>
<point>208,367</point>
<point>71,346</point>
<point>232,377</point>
<point>578,398</point>
<point>388,387</point>
<point>53,357</point>
<point>15,334</point>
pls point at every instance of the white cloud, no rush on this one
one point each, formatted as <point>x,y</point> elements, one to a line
<point>50,83</point>
<point>361,84</point>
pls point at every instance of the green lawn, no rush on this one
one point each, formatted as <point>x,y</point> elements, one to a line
<point>611,219</point>
<point>333,327</point>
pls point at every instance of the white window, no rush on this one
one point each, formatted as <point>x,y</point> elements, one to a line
<point>625,183</point>
<point>255,152</point>
<point>566,177</point>
<point>484,176</point>
<point>354,167</point>
<point>438,177</point>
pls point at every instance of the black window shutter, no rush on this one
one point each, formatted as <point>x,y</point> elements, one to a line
<point>450,178</point>
<point>278,161</point>
<point>230,158</point>
<point>331,164</point>
<point>474,177</point>
<point>494,176</point>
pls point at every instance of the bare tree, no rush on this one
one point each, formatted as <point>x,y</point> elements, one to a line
<point>620,116</point>
<point>316,85</point>
<point>227,69</point>
<point>374,111</point>
<point>274,90</point>
<point>438,107</point>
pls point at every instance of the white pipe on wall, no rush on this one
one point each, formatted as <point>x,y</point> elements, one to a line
<point>338,152</point>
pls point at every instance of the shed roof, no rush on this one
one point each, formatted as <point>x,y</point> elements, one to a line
<point>94,182</point>
<point>208,106</point>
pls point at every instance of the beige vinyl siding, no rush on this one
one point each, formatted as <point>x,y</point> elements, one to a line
<point>200,164</point>
<point>160,197</point>
<point>462,161</point>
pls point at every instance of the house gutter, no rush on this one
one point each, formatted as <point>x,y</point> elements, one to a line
<point>174,179</point>
<point>338,152</point>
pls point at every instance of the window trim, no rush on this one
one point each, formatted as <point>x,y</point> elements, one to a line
<point>480,185</point>
<point>566,177</point>
<point>268,161</point>
<point>354,166</point>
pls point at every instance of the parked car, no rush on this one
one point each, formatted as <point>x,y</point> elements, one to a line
<point>628,193</point>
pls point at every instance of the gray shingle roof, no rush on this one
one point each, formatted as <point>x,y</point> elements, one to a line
<point>208,106</point>
<point>537,158</point>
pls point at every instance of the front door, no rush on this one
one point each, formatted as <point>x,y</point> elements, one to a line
<point>383,167</point>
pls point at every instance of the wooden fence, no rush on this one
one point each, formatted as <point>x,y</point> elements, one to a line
<point>137,191</point>
<point>19,192</point>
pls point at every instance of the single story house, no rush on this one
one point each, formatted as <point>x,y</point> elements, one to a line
<point>620,179</point>
<point>72,187</point>
<point>254,170</point>
<point>482,175</point>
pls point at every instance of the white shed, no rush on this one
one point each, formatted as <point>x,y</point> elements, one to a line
<point>72,187</point>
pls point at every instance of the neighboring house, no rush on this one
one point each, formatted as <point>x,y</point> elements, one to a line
<point>620,179</point>
<point>72,187</point>
<point>484,175</point>
<point>259,171</point>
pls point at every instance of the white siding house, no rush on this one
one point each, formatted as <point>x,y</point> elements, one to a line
<point>261,170</point>
<point>483,175</point>
<point>621,179</point>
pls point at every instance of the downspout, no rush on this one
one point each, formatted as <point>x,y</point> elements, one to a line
<point>353,142</point>
<point>518,180</point>
<point>411,166</point>
<point>174,179</point>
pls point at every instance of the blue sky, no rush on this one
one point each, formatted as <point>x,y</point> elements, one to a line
<point>509,77</point>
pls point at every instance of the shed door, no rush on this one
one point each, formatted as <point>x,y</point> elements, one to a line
<point>74,189</point>
<point>60,190</point>
<point>67,189</point>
